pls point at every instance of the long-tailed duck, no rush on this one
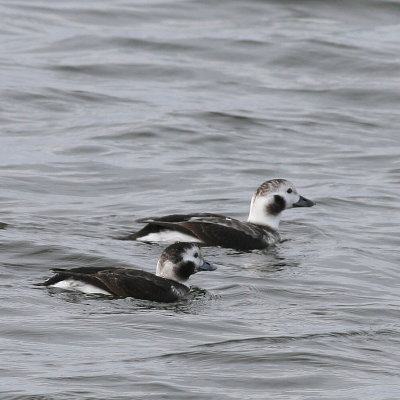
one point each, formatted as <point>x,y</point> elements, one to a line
<point>260,230</point>
<point>176,264</point>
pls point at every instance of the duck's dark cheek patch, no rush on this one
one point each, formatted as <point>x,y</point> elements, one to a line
<point>185,270</point>
<point>277,206</point>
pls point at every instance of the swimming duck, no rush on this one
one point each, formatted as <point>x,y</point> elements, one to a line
<point>177,262</point>
<point>260,230</point>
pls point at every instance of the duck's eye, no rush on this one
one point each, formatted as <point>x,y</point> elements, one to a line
<point>196,255</point>
<point>289,190</point>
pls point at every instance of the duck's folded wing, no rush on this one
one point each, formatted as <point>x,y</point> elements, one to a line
<point>218,230</point>
<point>86,274</point>
<point>85,270</point>
<point>138,284</point>
<point>121,282</point>
<point>178,217</point>
<point>158,224</point>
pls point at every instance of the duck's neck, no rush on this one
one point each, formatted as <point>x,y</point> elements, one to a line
<point>259,215</point>
<point>271,221</point>
<point>165,270</point>
<point>162,270</point>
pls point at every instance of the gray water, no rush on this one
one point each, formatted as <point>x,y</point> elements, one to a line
<point>116,110</point>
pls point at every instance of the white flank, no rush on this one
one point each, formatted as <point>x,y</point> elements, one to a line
<point>168,236</point>
<point>73,284</point>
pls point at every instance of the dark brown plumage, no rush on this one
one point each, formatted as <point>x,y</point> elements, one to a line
<point>177,263</point>
<point>211,229</point>
<point>123,282</point>
<point>259,231</point>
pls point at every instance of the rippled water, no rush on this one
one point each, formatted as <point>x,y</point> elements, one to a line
<point>111,111</point>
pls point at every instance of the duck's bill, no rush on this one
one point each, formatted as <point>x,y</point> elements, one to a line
<point>207,267</point>
<point>303,202</point>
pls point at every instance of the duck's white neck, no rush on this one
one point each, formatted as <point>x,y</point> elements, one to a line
<point>259,213</point>
<point>166,270</point>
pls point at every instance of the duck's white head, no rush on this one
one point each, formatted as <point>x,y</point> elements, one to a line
<point>271,198</point>
<point>180,260</point>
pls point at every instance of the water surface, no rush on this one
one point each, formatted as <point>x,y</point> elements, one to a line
<point>116,111</point>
